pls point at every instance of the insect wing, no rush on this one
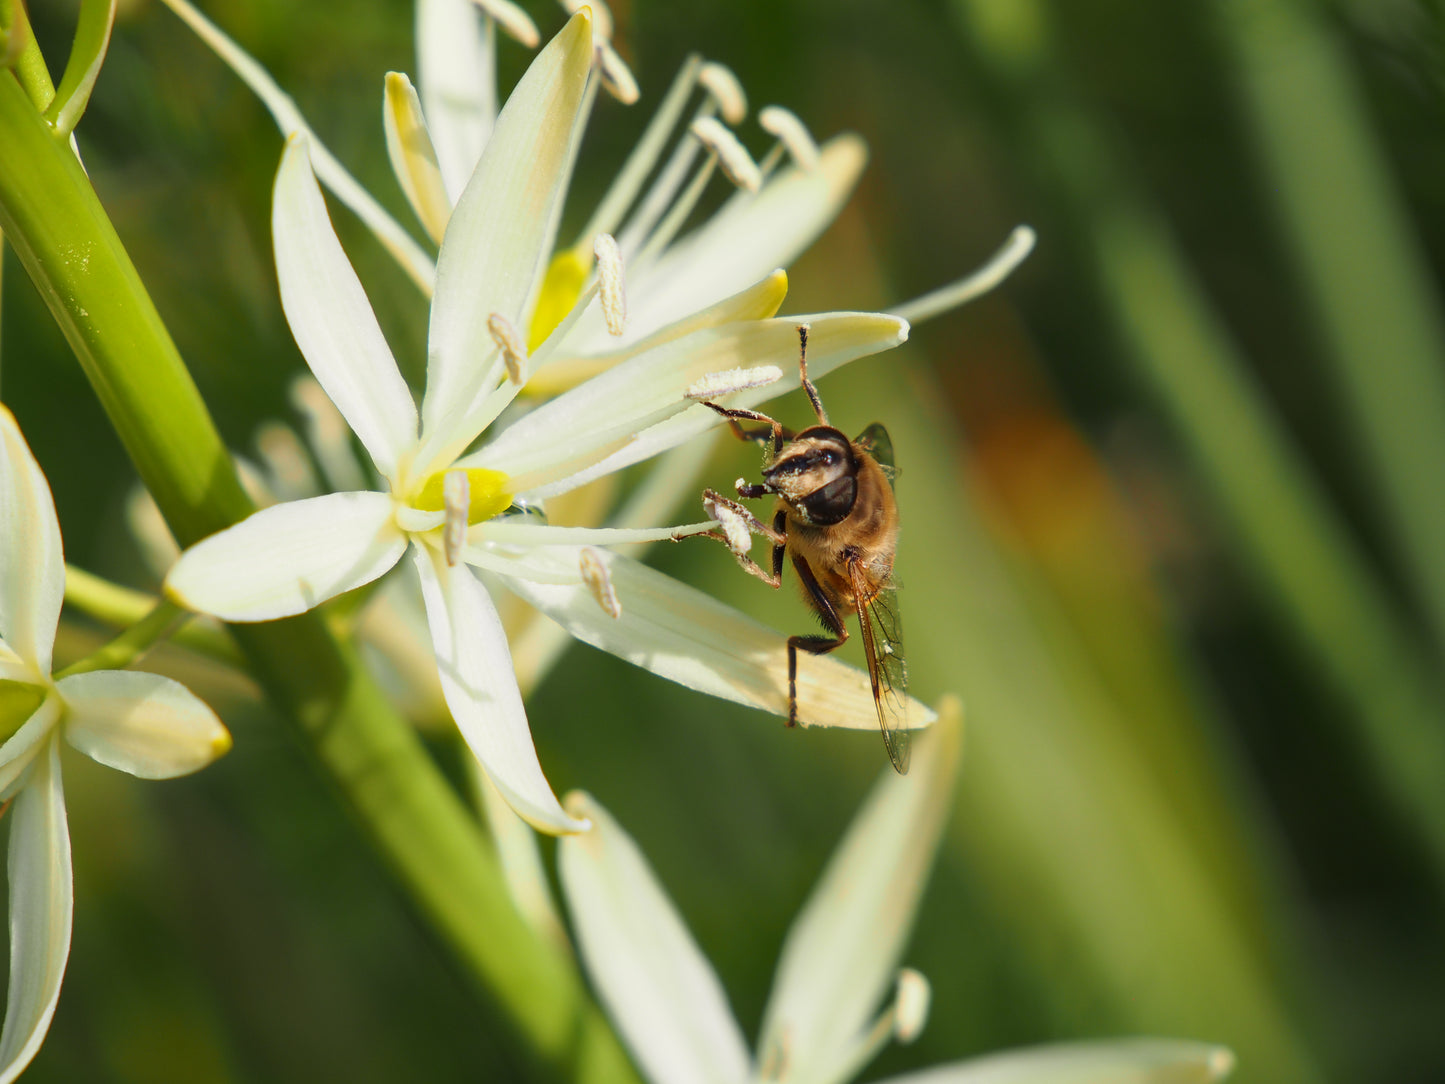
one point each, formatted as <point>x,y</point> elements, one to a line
<point>883,646</point>
<point>880,446</point>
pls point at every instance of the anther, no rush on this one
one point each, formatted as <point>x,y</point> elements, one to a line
<point>728,381</point>
<point>457,502</point>
<point>515,22</point>
<point>736,529</point>
<point>719,81</point>
<point>616,75</point>
<point>910,1005</point>
<point>611,282</point>
<point>599,582</point>
<point>732,156</point>
<point>514,350</point>
<point>792,133</point>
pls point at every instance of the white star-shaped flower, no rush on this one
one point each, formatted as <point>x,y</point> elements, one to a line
<point>144,724</point>
<point>839,960</point>
<point>446,504</point>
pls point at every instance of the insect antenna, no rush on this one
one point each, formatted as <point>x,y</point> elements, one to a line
<point>803,373</point>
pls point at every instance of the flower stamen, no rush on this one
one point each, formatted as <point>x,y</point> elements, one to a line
<point>792,133</point>
<point>719,81</point>
<point>729,381</point>
<point>599,582</point>
<point>611,282</point>
<point>514,350</point>
<point>515,22</point>
<point>732,156</point>
<point>457,496</point>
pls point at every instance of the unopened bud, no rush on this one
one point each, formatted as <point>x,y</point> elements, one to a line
<point>515,22</point>
<point>514,350</point>
<point>732,156</point>
<point>792,133</point>
<point>611,282</point>
<point>599,582</point>
<point>728,381</point>
<point>719,81</point>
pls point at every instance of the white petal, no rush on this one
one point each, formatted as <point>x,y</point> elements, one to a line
<point>748,237</point>
<point>500,236</point>
<point>331,318</point>
<point>689,637</point>
<point>842,952</point>
<point>413,157</point>
<point>286,559</point>
<point>639,409</point>
<point>456,59</point>
<point>32,566</point>
<point>557,367</point>
<point>144,724</point>
<point>1106,1061</point>
<point>41,912</point>
<point>659,989</point>
<point>20,748</point>
<point>481,689</point>
<point>396,240</point>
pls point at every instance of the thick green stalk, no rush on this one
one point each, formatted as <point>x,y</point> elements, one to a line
<point>1361,261</point>
<point>420,826</point>
<point>1286,529</point>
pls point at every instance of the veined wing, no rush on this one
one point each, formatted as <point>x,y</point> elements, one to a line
<point>880,446</point>
<point>883,646</point>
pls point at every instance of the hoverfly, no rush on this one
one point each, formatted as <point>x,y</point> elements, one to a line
<point>837,520</point>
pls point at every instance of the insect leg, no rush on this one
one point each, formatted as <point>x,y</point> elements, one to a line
<point>735,414</point>
<point>813,645</point>
<point>722,509</point>
<point>780,543</point>
<point>803,375</point>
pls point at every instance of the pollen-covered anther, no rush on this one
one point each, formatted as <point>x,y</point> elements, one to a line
<point>611,282</point>
<point>728,381</point>
<point>910,1005</point>
<point>737,530</point>
<point>617,77</point>
<point>792,133</point>
<point>599,582</point>
<point>601,16</point>
<point>732,156</point>
<point>514,350</point>
<point>719,81</point>
<point>457,503</point>
<point>515,22</point>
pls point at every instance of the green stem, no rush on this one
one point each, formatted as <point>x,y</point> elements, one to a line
<point>416,821</point>
<point>134,642</point>
<point>120,607</point>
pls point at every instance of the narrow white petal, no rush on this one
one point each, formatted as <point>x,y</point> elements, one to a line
<point>842,952</point>
<point>690,637</point>
<point>32,566</point>
<point>413,157</point>
<point>522,866</point>
<point>639,408</point>
<point>481,689</point>
<point>21,747</point>
<point>557,366</point>
<point>456,64</point>
<point>41,912</point>
<point>749,236</point>
<point>500,236</point>
<point>286,559</point>
<point>331,318</point>
<point>999,267</point>
<point>541,534</point>
<point>333,174</point>
<point>144,724</point>
<point>662,994</point>
<point>1106,1061</point>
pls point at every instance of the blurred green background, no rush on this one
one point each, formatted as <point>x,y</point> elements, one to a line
<point>1173,529</point>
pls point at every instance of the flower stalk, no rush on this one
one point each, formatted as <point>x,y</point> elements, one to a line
<point>420,827</point>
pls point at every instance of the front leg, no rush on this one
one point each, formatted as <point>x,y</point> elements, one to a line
<point>736,414</point>
<point>813,645</point>
<point>737,525</point>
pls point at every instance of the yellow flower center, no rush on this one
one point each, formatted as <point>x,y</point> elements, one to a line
<point>18,702</point>
<point>489,495</point>
<point>560,291</point>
